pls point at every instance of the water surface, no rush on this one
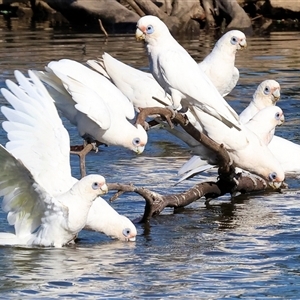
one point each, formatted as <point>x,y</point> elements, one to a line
<point>245,249</point>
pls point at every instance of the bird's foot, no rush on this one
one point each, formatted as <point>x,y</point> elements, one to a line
<point>82,151</point>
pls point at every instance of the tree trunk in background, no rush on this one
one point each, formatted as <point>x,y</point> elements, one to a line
<point>238,17</point>
<point>209,13</point>
<point>179,15</point>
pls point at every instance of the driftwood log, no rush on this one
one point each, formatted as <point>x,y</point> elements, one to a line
<point>181,16</point>
<point>228,181</point>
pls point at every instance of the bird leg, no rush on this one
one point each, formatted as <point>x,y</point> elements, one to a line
<point>82,154</point>
<point>89,144</point>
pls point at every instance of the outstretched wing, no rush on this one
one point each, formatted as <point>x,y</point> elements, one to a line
<point>93,80</point>
<point>36,133</point>
<point>24,200</point>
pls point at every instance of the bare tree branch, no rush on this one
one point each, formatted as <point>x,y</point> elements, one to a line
<point>179,118</point>
<point>228,181</point>
<point>155,203</point>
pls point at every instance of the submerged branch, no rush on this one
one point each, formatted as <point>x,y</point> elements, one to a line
<point>155,202</point>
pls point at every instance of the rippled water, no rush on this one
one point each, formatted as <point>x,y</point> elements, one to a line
<point>246,249</point>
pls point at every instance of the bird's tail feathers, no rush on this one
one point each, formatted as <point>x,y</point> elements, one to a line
<point>194,172</point>
<point>98,65</point>
<point>231,121</point>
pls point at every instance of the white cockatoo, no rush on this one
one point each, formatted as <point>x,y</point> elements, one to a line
<point>285,151</point>
<point>47,210</point>
<point>219,64</point>
<point>244,145</point>
<point>178,73</point>
<point>93,104</point>
<point>138,86</point>
<point>262,124</point>
<point>266,94</point>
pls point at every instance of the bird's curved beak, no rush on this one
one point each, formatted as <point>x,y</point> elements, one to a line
<point>139,150</point>
<point>131,239</point>
<point>139,34</point>
<point>276,185</point>
<point>281,120</point>
<point>243,44</point>
<point>104,189</point>
<point>276,95</point>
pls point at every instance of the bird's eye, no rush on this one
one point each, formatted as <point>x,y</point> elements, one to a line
<point>273,176</point>
<point>136,142</point>
<point>149,29</point>
<point>126,232</point>
<point>277,116</point>
<point>233,40</point>
<point>267,90</point>
<point>95,186</point>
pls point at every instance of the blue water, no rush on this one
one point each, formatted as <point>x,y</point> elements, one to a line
<point>248,248</point>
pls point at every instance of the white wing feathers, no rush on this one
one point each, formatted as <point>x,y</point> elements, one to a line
<point>102,86</point>
<point>178,73</point>
<point>24,199</point>
<point>87,101</point>
<point>41,142</point>
<point>138,86</point>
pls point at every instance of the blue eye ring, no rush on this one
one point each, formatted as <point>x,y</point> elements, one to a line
<point>233,40</point>
<point>95,185</point>
<point>136,141</point>
<point>273,176</point>
<point>149,29</point>
<point>126,232</point>
<point>267,90</point>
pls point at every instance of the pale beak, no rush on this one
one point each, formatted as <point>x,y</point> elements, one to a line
<point>104,188</point>
<point>139,35</point>
<point>275,184</point>
<point>140,149</point>
<point>243,44</point>
<point>132,239</point>
<point>281,120</point>
<point>276,95</point>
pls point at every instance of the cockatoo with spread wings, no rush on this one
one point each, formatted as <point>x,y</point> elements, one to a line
<point>93,104</point>
<point>46,205</point>
<point>40,216</point>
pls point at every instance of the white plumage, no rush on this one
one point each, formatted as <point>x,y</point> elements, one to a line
<point>93,104</point>
<point>262,124</point>
<point>245,148</point>
<point>285,151</point>
<point>177,72</point>
<point>40,215</point>
<point>138,86</point>
<point>266,94</point>
<point>44,202</point>
<point>219,64</point>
